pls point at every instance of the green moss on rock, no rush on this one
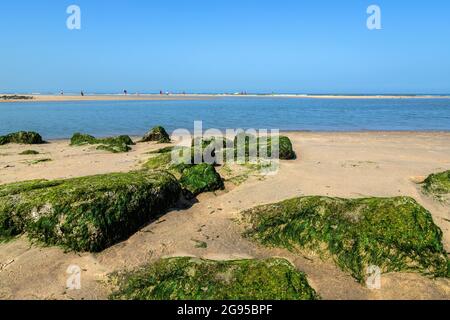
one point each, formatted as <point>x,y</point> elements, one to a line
<point>86,214</point>
<point>111,144</point>
<point>395,234</point>
<point>22,137</point>
<point>285,149</point>
<point>201,178</point>
<point>158,134</point>
<point>195,279</point>
<point>438,185</point>
<point>162,160</point>
<point>253,146</point>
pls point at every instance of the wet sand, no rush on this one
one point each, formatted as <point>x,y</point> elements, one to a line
<point>333,164</point>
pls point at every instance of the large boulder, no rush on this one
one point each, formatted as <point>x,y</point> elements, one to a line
<point>158,134</point>
<point>22,137</point>
<point>200,178</point>
<point>186,278</point>
<point>88,213</point>
<point>394,234</point>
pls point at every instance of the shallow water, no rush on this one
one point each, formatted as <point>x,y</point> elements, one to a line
<point>56,120</point>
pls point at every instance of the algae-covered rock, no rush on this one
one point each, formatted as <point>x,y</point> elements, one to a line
<point>158,134</point>
<point>80,139</point>
<point>111,144</point>
<point>22,137</point>
<point>201,178</point>
<point>394,234</point>
<point>86,214</point>
<point>251,146</point>
<point>285,149</point>
<point>194,279</point>
<point>29,152</point>
<point>438,185</point>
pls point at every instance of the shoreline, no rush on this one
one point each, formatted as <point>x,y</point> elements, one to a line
<point>181,97</point>
<point>287,132</point>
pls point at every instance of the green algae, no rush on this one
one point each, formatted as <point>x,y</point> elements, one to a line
<point>200,244</point>
<point>85,214</point>
<point>394,234</point>
<point>194,179</point>
<point>201,178</point>
<point>158,134</point>
<point>22,137</point>
<point>244,148</point>
<point>195,279</point>
<point>37,161</point>
<point>111,144</point>
<point>161,161</point>
<point>29,152</point>
<point>438,185</point>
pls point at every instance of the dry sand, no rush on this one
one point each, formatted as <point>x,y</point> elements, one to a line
<point>158,97</point>
<point>334,164</point>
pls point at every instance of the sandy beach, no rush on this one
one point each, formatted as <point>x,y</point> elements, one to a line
<point>349,165</point>
<point>171,97</point>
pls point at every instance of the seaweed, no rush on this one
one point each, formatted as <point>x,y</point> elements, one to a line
<point>438,185</point>
<point>158,134</point>
<point>201,178</point>
<point>29,152</point>
<point>111,144</point>
<point>22,137</point>
<point>187,278</point>
<point>88,213</point>
<point>394,234</point>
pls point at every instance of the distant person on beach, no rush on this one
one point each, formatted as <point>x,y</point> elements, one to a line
<point>62,92</point>
<point>160,92</point>
<point>82,93</point>
<point>125,92</point>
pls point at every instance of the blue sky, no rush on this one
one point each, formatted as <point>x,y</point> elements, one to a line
<point>314,46</point>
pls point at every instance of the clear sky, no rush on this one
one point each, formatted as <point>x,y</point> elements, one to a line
<point>314,46</point>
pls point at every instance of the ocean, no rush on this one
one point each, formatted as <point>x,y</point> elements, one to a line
<point>58,120</point>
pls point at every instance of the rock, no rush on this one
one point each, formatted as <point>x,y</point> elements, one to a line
<point>200,178</point>
<point>394,234</point>
<point>186,278</point>
<point>89,213</point>
<point>22,137</point>
<point>111,144</point>
<point>438,185</point>
<point>157,134</point>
